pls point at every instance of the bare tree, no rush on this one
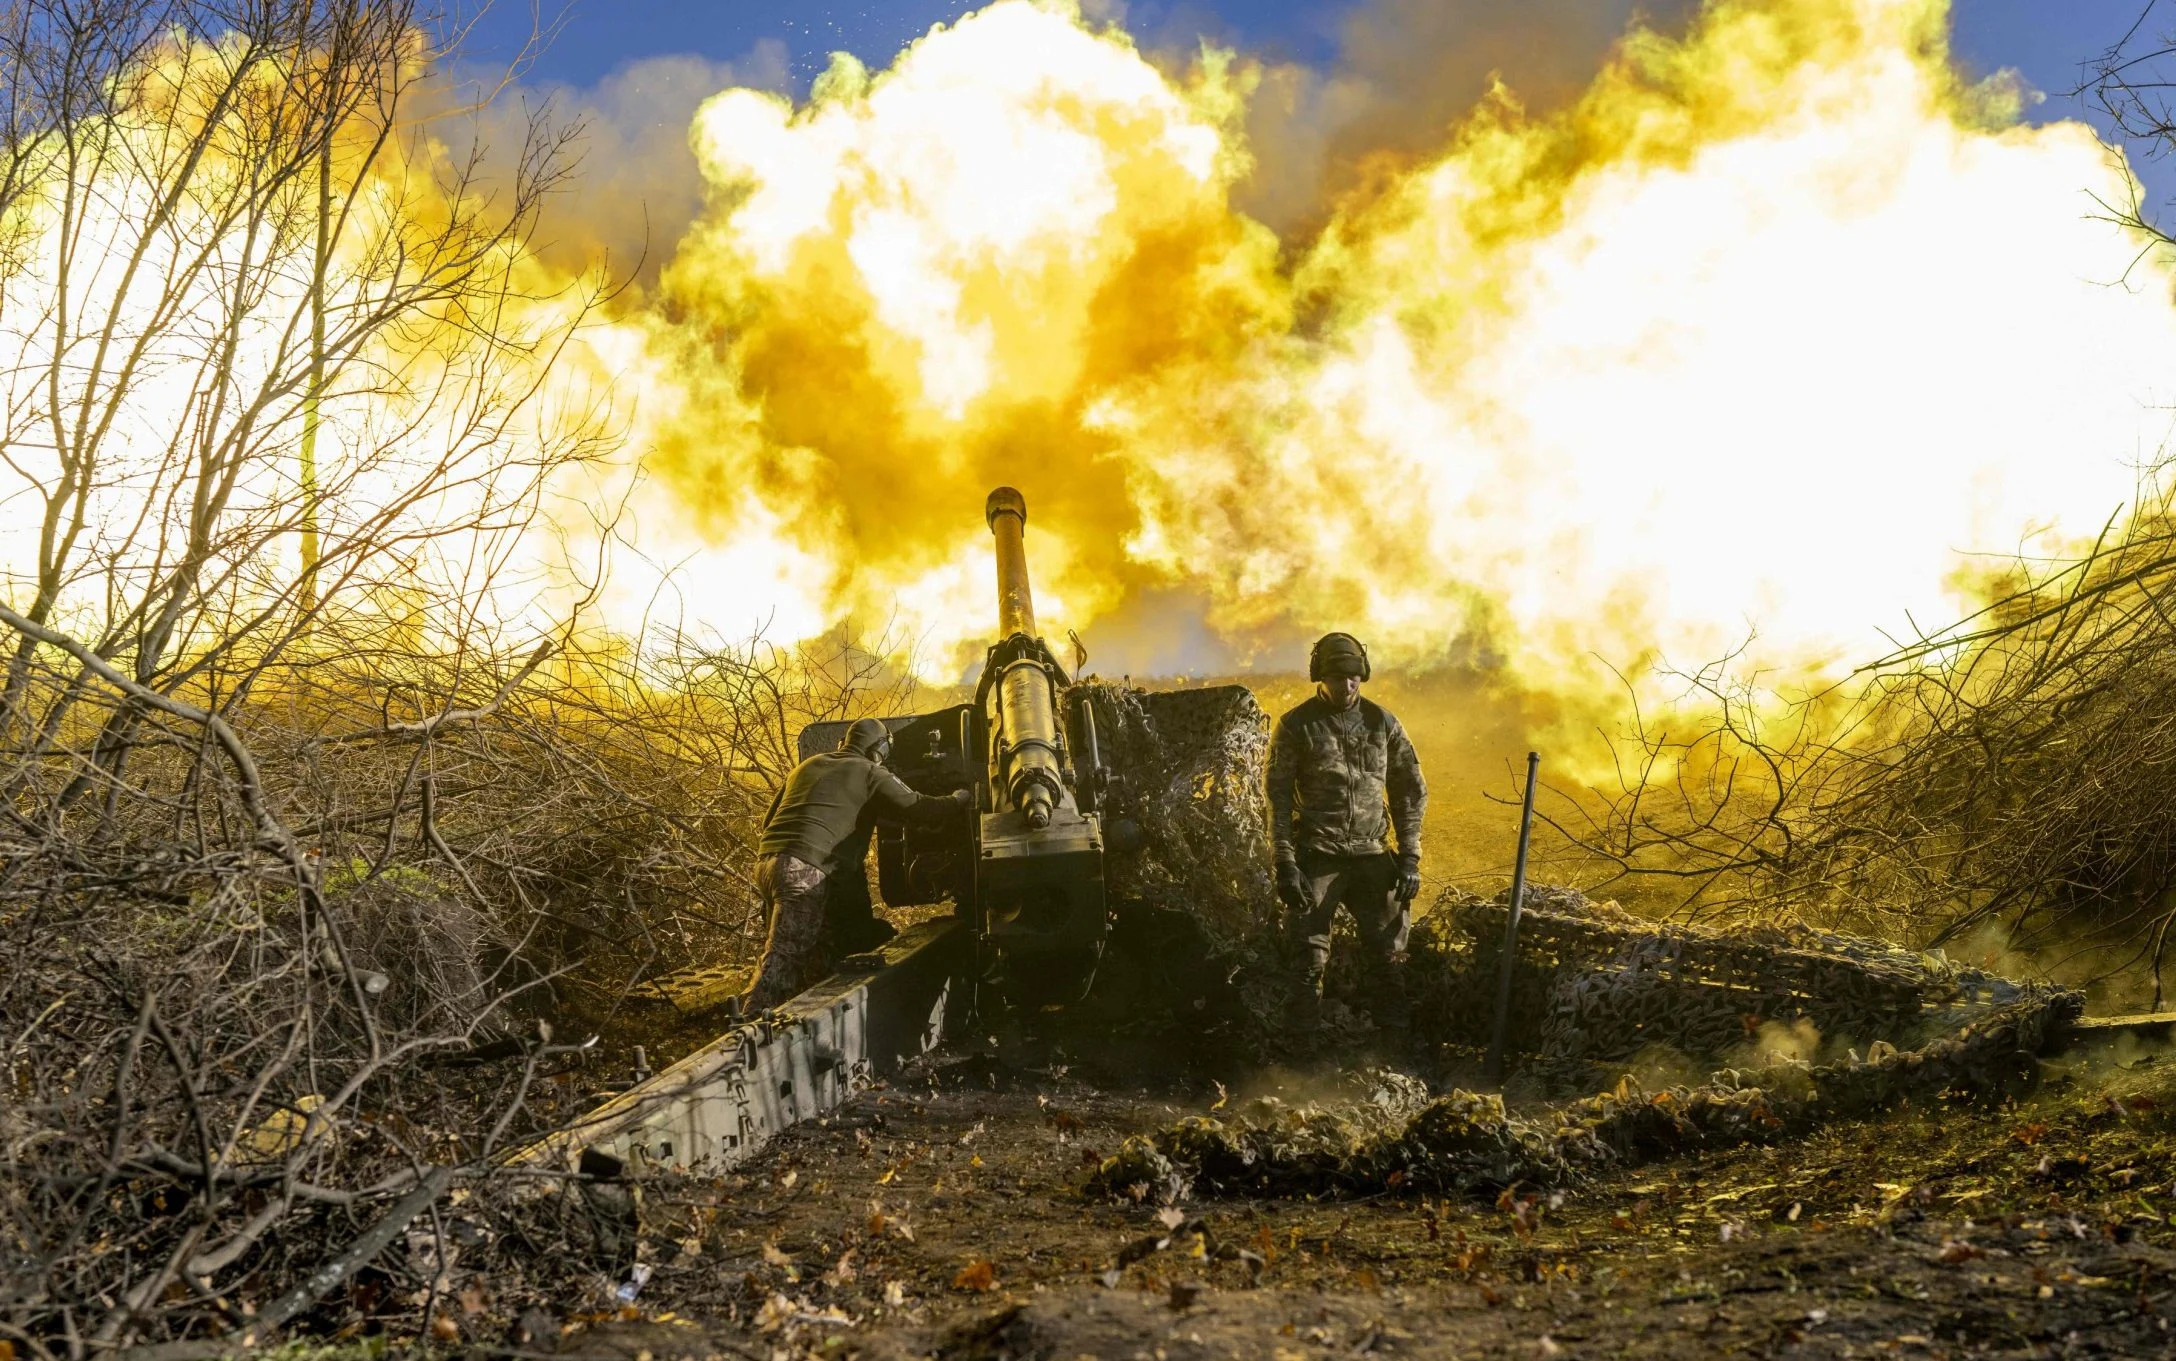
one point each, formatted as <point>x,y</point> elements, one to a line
<point>2014,768</point>
<point>228,235</point>
<point>177,337</point>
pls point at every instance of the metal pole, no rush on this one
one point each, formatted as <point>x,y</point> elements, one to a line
<point>1511,928</point>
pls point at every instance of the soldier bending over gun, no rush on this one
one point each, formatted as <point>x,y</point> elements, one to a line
<point>1342,776</point>
<point>814,841</point>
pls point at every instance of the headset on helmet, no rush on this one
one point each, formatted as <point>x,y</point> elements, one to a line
<point>1314,656</point>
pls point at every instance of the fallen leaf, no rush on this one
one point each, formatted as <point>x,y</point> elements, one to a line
<point>2028,1135</point>
<point>1222,1097</point>
<point>445,1329</point>
<point>976,1275</point>
<point>283,1131</point>
<point>775,1257</point>
<point>789,1179</point>
<point>1953,1252</point>
<point>1171,1216</point>
<point>776,1313</point>
<point>895,1294</point>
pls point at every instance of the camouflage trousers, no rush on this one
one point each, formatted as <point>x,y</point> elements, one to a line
<point>793,954</point>
<point>1365,886</point>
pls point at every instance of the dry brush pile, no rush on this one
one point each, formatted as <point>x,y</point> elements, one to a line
<point>251,967</point>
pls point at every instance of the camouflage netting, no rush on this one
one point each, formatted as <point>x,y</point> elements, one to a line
<point>1194,765</point>
<point>1595,986</point>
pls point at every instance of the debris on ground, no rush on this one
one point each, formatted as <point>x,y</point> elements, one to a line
<point>2032,1227</point>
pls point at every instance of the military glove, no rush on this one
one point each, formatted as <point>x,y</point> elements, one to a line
<point>1408,883</point>
<point>1292,886</point>
<point>965,798</point>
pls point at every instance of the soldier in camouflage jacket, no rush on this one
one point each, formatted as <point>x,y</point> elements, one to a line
<point>1342,779</point>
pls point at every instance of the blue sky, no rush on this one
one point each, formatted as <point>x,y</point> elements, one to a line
<point>2045,39</point>
<point>2050,42</point>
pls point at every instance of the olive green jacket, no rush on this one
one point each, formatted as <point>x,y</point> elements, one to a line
<point>828,796</point>
<point>1341,783</point>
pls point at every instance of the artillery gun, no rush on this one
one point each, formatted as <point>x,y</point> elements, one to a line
<point>1028,871</point>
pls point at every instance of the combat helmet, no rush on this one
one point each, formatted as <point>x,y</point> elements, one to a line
<point>1337,653</point>
<point>866,737</point>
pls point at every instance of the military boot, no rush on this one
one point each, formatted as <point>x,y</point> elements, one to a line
<point>1389,1007</point>
<point>1307,1001</point>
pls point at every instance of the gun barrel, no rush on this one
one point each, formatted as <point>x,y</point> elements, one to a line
<point>1026,748</point>
<point>1007,512</point>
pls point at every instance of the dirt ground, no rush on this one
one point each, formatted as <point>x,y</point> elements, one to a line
<point>942,1215</point>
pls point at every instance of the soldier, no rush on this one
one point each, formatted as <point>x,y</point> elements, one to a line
<point>816,824</point>
<point>1342,777</point>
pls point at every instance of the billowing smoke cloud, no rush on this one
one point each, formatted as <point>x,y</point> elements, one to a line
<point>1407,72</point>
<point>1761,326</point>
<point>632,187</point>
